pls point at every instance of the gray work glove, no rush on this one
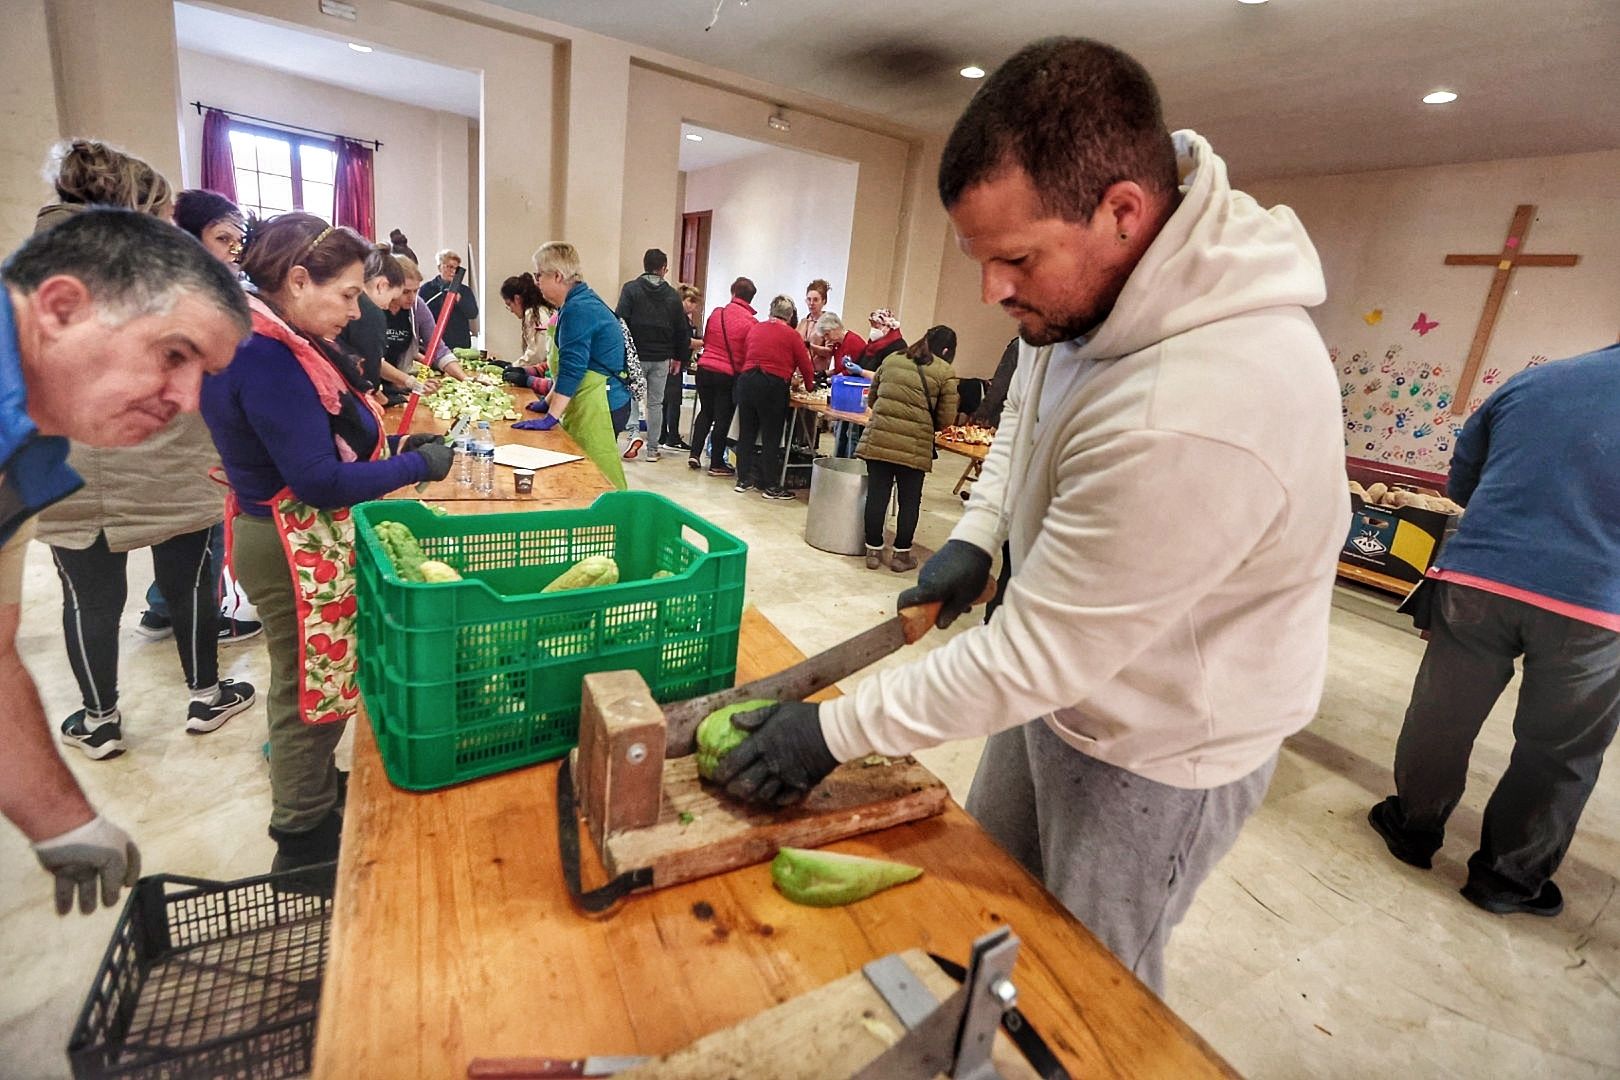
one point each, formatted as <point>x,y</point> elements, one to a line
<point>416,442</point>
<point>96,851</point>
<point>955,576</point>
<point>438,458</point>
<point>783,758</point>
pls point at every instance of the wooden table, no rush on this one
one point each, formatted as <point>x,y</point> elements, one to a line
<point>972,451</point>
<point>817,410</point>
<point>573,484</point>
<point>453,936</point>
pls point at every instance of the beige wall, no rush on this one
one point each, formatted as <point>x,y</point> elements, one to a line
<point>660,101</point>
<point>781,218</point>
<point>421,173</point>
<point>28,122</point>
<point>1383,238</point>
<point>982,330</point>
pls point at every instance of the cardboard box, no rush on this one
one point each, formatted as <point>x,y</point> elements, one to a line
<point>1399,543</point>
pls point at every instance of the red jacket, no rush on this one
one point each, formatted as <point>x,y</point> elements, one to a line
<point>853,347</point>
<point>776,348</point>
<point>725,338</point>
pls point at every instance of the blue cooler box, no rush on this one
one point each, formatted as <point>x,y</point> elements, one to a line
<point>848,393</point>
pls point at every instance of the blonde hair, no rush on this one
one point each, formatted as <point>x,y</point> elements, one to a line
<point>412,271</point>
<point>90,172</point>
<point>448,253</point>
<point>691,292</point>
<point>783,307</point>
<point>557,257</point>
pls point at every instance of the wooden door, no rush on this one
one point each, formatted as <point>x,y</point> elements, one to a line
<point>695,249</point>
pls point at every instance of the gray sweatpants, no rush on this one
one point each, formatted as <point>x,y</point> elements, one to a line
<point>1123,853</point>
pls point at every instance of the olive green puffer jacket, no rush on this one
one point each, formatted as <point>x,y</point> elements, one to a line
<point>909,403</point>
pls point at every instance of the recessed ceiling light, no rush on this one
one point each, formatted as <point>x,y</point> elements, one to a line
<point>357,47</point>
<point>1439,97</point>
<point>1251,1</point>
<point>692,136</point>
<point>973,71</point>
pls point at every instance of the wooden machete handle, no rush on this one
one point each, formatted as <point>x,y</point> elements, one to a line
<point>920,618</point>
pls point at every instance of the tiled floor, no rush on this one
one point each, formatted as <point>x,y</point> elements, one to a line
<point>1309,953</point>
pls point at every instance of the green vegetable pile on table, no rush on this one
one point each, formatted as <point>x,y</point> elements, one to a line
<point>399,544</point>
<point>829,878</point>
<point>483,395</point>
<point>717,736</point>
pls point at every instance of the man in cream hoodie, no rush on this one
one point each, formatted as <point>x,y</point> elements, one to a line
<point>1169,472</point>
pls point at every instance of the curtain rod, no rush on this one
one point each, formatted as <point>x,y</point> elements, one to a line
<point>200,107</point>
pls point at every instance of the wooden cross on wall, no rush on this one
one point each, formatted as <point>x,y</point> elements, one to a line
<point>1512,256</point>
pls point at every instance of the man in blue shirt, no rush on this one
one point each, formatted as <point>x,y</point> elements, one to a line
<point>1533,571</point>
<point>108,323</point>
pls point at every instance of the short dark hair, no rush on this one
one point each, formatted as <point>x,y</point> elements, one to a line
<point>132,264</point>
<point>653,261</point>
<point>195,209</point>
<point>1077,115</point>
<point>744,290</point>
<point>524,288</point>
<point>274,247</point>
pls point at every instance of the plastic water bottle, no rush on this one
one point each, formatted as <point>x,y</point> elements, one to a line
<point>461,462</point>
<point>483,460</point>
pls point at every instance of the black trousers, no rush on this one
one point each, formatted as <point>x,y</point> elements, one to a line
<point>882,478</point>
<point>762,408</point>
<point>94,588</point>
<point>1569,707</point>
<point>672,410</point>
<point>715,407</point>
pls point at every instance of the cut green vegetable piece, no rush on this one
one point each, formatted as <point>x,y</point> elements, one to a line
<point>717,736</point>
<point>589,572</point>
<point>829,878</point>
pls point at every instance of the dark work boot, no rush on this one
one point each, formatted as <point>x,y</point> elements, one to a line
<point>312,855</point>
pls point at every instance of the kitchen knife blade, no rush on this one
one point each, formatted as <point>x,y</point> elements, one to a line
<point>681,718</point>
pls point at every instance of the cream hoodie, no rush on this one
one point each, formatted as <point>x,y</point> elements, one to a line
<point>1173,493</point>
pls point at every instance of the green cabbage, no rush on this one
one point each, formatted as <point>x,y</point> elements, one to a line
<point>717,736</point>
<point>589,572</point>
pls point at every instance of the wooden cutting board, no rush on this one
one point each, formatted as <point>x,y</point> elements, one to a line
<point>719,834</point>
<point>834,1030</point>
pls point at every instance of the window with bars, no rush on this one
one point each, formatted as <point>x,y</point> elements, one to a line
<point>277,171</point>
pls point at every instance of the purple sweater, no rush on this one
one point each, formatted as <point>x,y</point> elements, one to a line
<point>272,432</point>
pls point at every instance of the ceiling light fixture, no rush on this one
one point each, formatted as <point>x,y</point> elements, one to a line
<point>1251,1</point>
<point>357,47</point>
<point>1439,97</point>
<point>778,121</point>
<point>692,136</point>
<point>973,71</point>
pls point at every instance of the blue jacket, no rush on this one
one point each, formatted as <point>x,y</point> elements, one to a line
<point>589,338</point>
<point>34,472</point>
<point>1538,467</point>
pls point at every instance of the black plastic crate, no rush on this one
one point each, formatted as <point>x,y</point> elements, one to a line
<point>206,979</point>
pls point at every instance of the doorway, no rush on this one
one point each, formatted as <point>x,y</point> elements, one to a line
<point>695,230</point>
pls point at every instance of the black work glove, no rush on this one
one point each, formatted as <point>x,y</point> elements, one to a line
<point>438,457</point>
<point>416,442</point>
<point>516,376</point>
<point>955,576</point>
<point>782,760</point>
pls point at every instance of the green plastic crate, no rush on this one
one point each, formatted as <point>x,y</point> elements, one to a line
<point>475,677</point>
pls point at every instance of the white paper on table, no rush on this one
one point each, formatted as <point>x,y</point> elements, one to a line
<point>519,456</point>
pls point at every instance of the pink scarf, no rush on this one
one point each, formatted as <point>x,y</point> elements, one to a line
<point>329,385</point>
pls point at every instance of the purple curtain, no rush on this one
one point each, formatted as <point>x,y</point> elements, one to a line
<point>218,170</point>
<point>355,199</point>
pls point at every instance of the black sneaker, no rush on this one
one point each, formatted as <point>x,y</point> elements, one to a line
<point>1412,849</point>
<point>232,631</point>
<point>677,443</point>
<point>693,463</point>
<point>741,486</point>
<point>776,493</point>
<point>1546,903</point>
<point>154,627</point>
<point>722,470</point>
<point>99,739</point>
<point>233,698</point>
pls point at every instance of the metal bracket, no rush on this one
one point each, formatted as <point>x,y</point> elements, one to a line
<point>954,1036</point>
